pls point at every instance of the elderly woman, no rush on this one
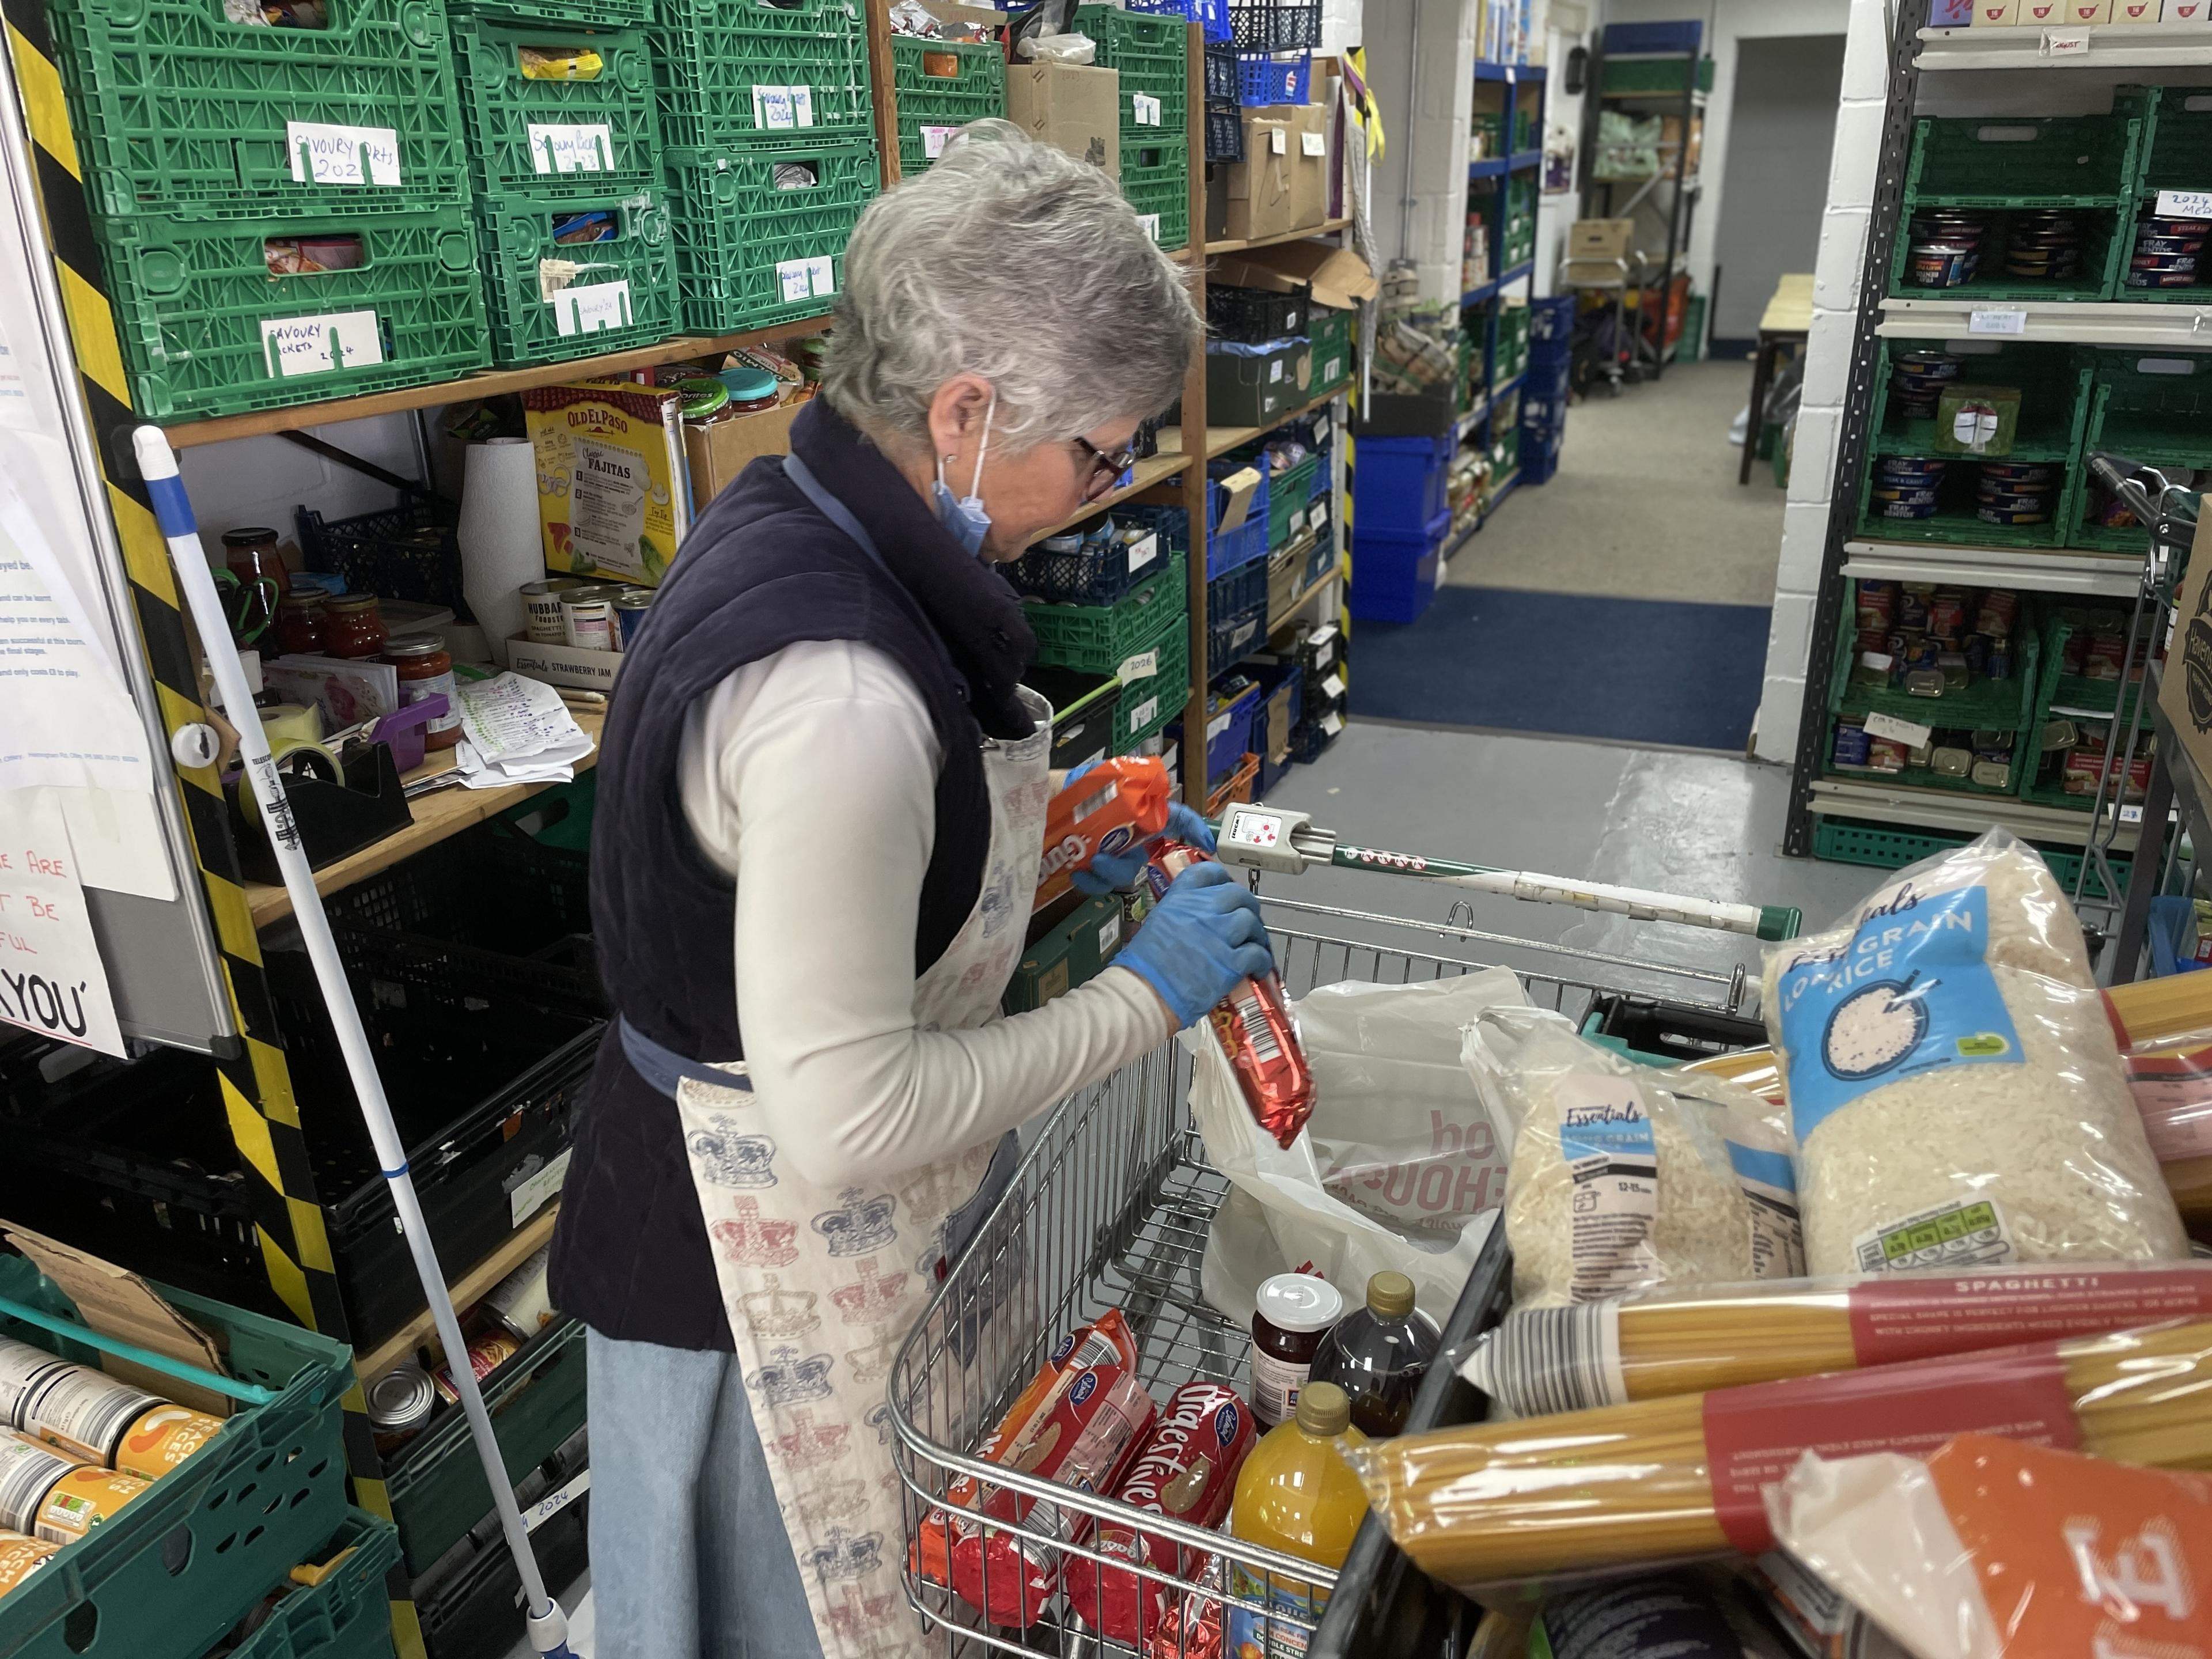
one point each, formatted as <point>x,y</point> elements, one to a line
<point>821,814</point>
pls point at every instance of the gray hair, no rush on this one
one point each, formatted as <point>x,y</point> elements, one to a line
<point>1014,261</point>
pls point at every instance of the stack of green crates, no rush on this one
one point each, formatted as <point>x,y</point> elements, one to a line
<point>1144,640</point>
<point>282,211</point>
<point>943,85</point>
<point>1150,55</point>
<point>564,155</point>
<point>1518,242</point>
<point>768,136</point>
<point>2177,139</point>
<point>2155,408</point>
<point>1330,331</point>
<point>1512,339</point>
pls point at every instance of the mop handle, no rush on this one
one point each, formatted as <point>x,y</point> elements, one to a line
<point>252,1393</point>
<point>173,509</point>
<point>1766,922</point>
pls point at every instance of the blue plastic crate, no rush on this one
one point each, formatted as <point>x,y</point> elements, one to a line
<point>1398,484</point>
<point>1551,325</point>
<point>1551,378</point>
<point>1623,40</point>
<point>1539,461</point>
<point>1261,80</point>
<point>1226,550</point>
<point>1236,613</point>
<point>1543,415</point>
<point>1228,734</point>
<point>1394,573</point>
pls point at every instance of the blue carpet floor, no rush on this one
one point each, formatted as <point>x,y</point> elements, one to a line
<point>1570,665</point>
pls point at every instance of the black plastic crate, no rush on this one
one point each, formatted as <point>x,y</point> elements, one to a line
<point>1275,25</point>
<point>1094,573</point>
<point>1236,614</point>
<point>404,552</point>
<point>1224,133</point>
<point>470,1603</point>
<point>1255,314</point>
<point>1220,72</point>
<point>1671,1030</point>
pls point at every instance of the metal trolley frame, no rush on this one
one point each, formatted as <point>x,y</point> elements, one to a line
<point>1109,1209</point>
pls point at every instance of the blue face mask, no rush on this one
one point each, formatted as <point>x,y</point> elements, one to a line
<point>965,515</point>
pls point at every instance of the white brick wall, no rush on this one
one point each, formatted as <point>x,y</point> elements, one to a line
<point>1852,170</point>
<point>1341,26</point>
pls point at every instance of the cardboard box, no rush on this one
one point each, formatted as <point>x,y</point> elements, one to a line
<point>1976,420</point>
<point>1256,390</point>
<point>2136,11</point>
<point>719,453</point>
<point>1075,109</point>
<point>2187,11</point>
<point>2035,14</point>
<point>612,498</point>
<point>1601,239</point>
<point>2185,690</point>
<point>1310,165</point>
<point>1263,187</point>
<point>564,665</point>
<point>2079,12</point>
<point>1337,277</point>
<point>1996,14</point>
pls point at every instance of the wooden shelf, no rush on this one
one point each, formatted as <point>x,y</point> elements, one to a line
<point>485,383</point>
<point>436,816</point>
<point>1152,469</point>
<point>1276,621</point>
<point>526,1242</point>
<point>1220,440</point>
<point>1326,227</point>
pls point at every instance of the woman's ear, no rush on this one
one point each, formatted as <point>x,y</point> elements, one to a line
<point>956,414</point>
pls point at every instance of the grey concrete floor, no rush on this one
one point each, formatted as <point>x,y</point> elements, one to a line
<point>1646,504</point>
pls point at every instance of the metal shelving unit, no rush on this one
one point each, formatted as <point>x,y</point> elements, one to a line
<point>1527,87</point>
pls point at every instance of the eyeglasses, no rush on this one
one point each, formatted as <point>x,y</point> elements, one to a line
<point>1106,469</point>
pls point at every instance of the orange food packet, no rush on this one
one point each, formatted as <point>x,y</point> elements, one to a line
<point>1117,805</point>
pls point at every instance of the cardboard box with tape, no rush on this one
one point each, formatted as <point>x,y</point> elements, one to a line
<point>718,452</point>
<point>1072,108</point>
<point>1264,187</point>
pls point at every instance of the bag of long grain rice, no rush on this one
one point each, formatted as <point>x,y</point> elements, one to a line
<point>1620,1177</point>
<point>1954,1085</point>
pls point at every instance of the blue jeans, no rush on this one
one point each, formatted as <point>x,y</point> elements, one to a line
<point>689,1553</point>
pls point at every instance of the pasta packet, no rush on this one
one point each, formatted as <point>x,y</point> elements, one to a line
<point>1954,1086</point>
<point>1994,1549</point>
<point>2165,1031</point>
<point>1618,1176</point>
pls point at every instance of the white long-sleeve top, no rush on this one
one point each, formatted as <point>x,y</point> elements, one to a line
<point>809,778</point>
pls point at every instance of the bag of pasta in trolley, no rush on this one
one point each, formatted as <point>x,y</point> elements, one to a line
<point>1954,1084</point>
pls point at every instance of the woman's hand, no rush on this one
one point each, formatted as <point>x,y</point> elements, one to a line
<point>1204,935</point>
<point>1110,872</point>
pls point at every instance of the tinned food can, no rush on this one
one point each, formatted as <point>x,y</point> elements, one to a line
<point>629,608</point>
<point>83,1499</point>
<point>541,608</point>
<point>486,1355</point>
<point>588,618</point>
<point>21,1557</point>
<point>400,1402</point>
<point>520,1302</point>
<point>81,1413</point>
<point>164,1437</point>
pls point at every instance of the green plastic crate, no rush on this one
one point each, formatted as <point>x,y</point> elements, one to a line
<point>195,305</point>
<point>436,1483</point>
<point>2177,138</point>
<point>732,72</point>
<point>179,1566</point>
<point>2007,705</point>
<point>1098,639</point>
<point>1886,847</point>
<point>1147,706</point>
<point>931,105</point>
<point>1156,181</point>
<point>1287,495</point>
<point>180,114</point>
<point>595,13</point>
<point>1330,330</point>
<point>1070,953</point>
<point>2031,161</point>
<point>744,248</point>
<point>2104,247</point>
<point>599,137</point>
<point>532,323</point>
<point>2154,407</point>
<point>1150,55</point>
<point>2061,695</point>
<point>1633,77</point>
<point>348,1615</point>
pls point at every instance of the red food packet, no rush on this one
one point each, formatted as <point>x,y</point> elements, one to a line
<point>1188,1471</point>
<point>1254,1025</point>
<point>1114,806</point>
<point>1193,1629</point>
<point>1003,1563</point>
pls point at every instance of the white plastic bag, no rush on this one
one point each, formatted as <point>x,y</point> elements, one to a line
<point>1396,1170</point>
<point>1622,1176</point>
<point>1957,1094</point>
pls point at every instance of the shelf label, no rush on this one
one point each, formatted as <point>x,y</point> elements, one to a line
<point>1312,144</point>
<point>780,109</point>
<point>558,149</point>
<point>592,308</point>
<point>316,345</point>
<point>1142,666</point>
<point>805,279</point>
<point>1143,551</point>
<point>1218,724</point>
<point>533,1191</point>
<point>2065,42</point>
<point>932,140</point>
<point>1143,714</point>
<point>1881,661</point>
<point>546,1508</point>
<point>333,154</point>
<point>1333,687</point>
<point>2131,815</point>
<point>1332,722</point>
<point>1278,142</point>
<point>1997,319</point>
<point>2184,204</point>
<point>1899,730</point>
<point>1144,110</point>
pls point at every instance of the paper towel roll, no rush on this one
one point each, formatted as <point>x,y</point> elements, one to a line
<point>502,545</point>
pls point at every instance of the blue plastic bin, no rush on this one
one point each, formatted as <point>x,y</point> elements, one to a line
<point>1551,325</point>
<point>1224,551</point>
<point>1228,734</point>
<point>1263,81</point>
<point>1393,574</point>
<point>1236,613</point>
<point>1399,485</point>
<point>1626,39</point>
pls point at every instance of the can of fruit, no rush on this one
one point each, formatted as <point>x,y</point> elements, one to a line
<point>21,1557</point>
<point>81,1413</point>
<point>588,618</point>
<point>164,1437</point>
<point>84,1498</point>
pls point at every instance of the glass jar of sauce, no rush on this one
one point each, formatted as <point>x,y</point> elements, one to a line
<point>302,624</point>
<point>1293,1313</point>
<point>353,625</point>
<point>426,670</point>
<point>250,555</point>
<point>751,390</point>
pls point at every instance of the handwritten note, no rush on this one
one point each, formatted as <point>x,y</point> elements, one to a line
<point>563,149</point>
<point>1144,110</point>
<point>51,977</point>
<point>589,309</point>
<point>934,140</point>
<point>780,109</point>
<point>316,345</point>
<point>1997,320</point>
<point>1151,222</point>
<point>1312,144</point>
<point>331,155</point>
<point>805,279</point>
<point>2184,203</point>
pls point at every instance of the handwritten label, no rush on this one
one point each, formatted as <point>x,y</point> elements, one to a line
<point>319,345</point>
<point>1333,687</point>
<point>1332,722</point>
<point>551,1505</point>
<point>51,977</point>
<point>2184,204</point>
<point>558,149</point>
<point>1151,222</point>
<point>1218,724</point>
<point>333,154</point>
<point>1278,142</point>
<point>533,1191</point>
<point>1898,731</point>
<point>781,109</point>
<point>595,307</point>
<point>1312,144</point>
<point>1142,666</point>
<point>2065,42</point>
<point>807,279</point>
<point>934,140</point>
<point>1144,110</point>
<point>1142,552</point>
<point>1997,319</point>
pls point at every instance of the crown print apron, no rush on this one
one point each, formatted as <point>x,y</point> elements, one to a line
<point>823,1284</point>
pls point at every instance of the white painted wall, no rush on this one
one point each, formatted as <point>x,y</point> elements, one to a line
<point>1562,109</point>
<point>1782,128</point>
<point>1420,62</point>
<point>259,481</point>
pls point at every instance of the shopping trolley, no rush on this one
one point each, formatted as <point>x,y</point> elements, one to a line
<point>1109,1209</point>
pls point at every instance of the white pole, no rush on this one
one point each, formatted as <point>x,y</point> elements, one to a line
<point>549,1629</point>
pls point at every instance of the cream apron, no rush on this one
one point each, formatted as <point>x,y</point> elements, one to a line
<point>821,1285</point>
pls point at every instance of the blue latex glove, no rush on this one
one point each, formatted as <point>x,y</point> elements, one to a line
<point>1204,935</point>
<point>1110,873</point>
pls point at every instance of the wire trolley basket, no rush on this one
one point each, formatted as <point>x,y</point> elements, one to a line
<point>1109,1209</point>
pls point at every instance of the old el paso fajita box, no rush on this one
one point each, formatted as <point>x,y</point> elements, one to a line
<point>613,495</point>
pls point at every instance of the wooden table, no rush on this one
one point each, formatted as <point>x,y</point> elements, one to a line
<point>1786,322</point>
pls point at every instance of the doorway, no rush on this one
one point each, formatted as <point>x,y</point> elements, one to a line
<point>1780,131</point>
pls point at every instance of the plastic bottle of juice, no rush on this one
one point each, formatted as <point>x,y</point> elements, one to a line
<point>1295,1494</point>
<point>1378,1355</point>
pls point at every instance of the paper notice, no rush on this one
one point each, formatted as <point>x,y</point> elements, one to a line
<point>316,346</point>
<point>932,140</point>
<point>556,148</point>
<point>606,506</point>
<point>331,155</point>
<point>51,977</point>
<point>589,309</point>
